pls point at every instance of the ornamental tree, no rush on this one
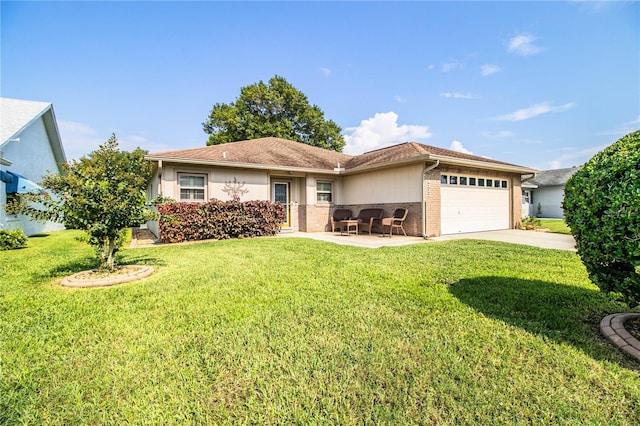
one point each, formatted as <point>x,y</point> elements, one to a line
<point>102,194</point>
<point>602,207</point>
<point>275,109</point>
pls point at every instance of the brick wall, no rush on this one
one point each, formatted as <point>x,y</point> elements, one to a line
<point>432,205</point>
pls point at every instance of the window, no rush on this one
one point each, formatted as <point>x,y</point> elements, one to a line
<point>472,181</point>
<point>444,179</point>
<point>504,184</point>
<point>453,180</point>
<point>480,182</point>
<point>489,183</point>
<point>192,187</point>
<point>463,180</point>
<point>324,192</point>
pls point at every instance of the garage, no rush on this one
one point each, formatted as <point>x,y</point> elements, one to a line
<point>473,204</point>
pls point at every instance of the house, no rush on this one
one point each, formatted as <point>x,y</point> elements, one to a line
<point>446,192</point>
<point>30,147</point>
<point>542,196</point>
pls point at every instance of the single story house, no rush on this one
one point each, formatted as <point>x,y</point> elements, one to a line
<point>30,147</point>
<point>446,192</point>
<point>542,196</point>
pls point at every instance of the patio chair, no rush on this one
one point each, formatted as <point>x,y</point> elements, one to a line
<point>337,216</point>
<point>395,221</point>
<point>367,218</point>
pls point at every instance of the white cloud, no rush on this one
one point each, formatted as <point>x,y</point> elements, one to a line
<point>534,110</point>
<point>380,131</point>
<point>458,95</point>
<point>498,135</point>
<point>624,128</point>
<point>592,6</point>
<point>451,65</point>
<point>431,66</point>
<point>488,69</point>
<point>399,99</point>
<point>458,147</point>
<point>522,45</point>
<point>574,157</point>
<point>79,139</point>
<point>325,71</point>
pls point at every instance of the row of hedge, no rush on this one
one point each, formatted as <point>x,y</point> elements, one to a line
<point>219,220</point>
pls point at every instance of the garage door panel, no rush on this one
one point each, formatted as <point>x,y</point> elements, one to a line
<point>473,209</point>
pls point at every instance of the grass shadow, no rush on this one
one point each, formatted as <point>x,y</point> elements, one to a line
<point>564,313</point>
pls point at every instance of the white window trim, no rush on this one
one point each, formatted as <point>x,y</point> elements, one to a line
<point>332,192</point>
<point>180,187</point>
<point>448,179</point>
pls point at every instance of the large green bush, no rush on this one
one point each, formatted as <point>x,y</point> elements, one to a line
<point>602,207</point>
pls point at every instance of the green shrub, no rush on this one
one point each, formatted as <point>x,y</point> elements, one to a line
<point>12,239</point>
<point>531,222</point>
<point>219,220</point>
<point>602,207</point>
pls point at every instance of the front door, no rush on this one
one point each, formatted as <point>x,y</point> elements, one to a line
<point>281,194</point>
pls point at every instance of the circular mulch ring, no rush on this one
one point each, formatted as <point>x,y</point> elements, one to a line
<point>92,278</point>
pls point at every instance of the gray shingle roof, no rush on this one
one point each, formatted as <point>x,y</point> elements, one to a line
<point>16,114</point>
<point>283,152</point>
<point>555,177</point>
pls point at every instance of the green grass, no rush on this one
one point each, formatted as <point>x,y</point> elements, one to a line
<point>557,226</point>
<point>297,331</point>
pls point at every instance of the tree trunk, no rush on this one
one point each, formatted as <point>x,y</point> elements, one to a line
<point>107,258</point>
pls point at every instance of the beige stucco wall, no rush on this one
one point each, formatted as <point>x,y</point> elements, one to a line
<point>255,181</point>
<point>397,185</point>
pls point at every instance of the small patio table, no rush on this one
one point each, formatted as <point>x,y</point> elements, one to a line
<point>350,226</point>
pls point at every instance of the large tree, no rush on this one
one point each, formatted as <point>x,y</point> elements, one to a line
<point>101,194</point>
<point>275,109</point>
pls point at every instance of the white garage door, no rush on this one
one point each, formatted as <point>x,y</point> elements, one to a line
<point>473,208</point>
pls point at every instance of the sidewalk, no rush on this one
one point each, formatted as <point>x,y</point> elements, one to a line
<point>514,236</point>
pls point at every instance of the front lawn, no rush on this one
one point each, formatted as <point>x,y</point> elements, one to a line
<point>297,331</point>
<point>557,226</point>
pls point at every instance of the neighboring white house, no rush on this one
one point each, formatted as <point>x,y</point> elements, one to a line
<point>543,195</point>
<point>30,147</point>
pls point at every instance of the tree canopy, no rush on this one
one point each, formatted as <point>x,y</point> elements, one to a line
<point>101,194</point>
<point>274,109</point>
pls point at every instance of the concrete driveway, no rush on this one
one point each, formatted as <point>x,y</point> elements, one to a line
<point>514,236</point>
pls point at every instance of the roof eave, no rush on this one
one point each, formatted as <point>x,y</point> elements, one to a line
<point>387,165</point>
<point>53,132</point>
<point>240,165</point>
<point>511,168</point>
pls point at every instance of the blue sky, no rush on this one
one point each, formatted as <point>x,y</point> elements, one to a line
<point>540,84</point>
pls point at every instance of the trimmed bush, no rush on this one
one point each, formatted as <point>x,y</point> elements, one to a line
<point>602,207</point>
<point>12,239</point>
<point>219,220</point>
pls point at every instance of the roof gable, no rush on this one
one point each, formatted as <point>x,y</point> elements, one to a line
<point>16,115</point>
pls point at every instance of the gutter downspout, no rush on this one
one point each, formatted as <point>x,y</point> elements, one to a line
<point>424,201</point>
